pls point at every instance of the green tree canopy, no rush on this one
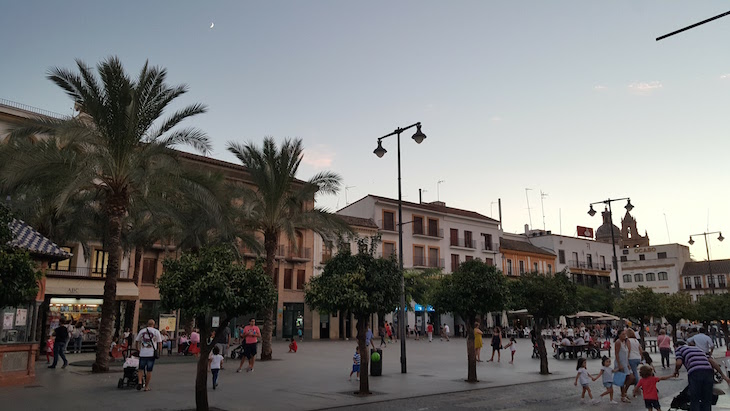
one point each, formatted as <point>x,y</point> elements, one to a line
<point>213,282</point>
<point>595,299</point>
<point>676,307</point>
<point>361,284</point>
<point>18,274</point>
<point>475,288</point>
<point>421,285</point>
<point>639,306</point>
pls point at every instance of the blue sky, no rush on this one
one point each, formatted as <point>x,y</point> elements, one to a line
<point>574,98</point>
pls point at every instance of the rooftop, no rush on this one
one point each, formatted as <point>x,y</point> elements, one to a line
<point>522,246</point>
<point>359,222</point>
<point>702,267</point>
<point>437,207</point>
<point>27,238</point>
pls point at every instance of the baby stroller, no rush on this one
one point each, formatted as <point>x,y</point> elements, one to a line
<point>237,352</point>
<point>131,364</point>
<point>682,401</point>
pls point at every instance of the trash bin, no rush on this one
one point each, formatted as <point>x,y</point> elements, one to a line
<point>376,367</point>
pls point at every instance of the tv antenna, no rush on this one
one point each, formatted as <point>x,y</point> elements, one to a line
<point>347,188</point>
<point>438,183</point>
<point>529,213</point>
<point>542,205</point>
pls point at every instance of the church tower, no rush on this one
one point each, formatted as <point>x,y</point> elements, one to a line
<point>630,234</point>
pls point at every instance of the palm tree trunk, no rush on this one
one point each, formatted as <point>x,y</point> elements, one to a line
<point>138,251</point>
<point>541,348</point>
<point>362,329</point>
<point>271,242</point>
<point>470,350</point>
<point>115,213</point>
<point>201,374</point>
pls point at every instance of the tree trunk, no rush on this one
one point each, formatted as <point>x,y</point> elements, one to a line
<point>201,375</point>
<point>541,348</point>
<point>115,211</point>
<point>138,251</point>
<point>641,334</point>
<point>471,354</point>
<point>362,329</point>
<point>723,326</point>
<point>271,242</point>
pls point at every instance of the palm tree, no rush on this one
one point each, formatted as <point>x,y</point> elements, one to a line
<point>279,203</point>
<point>113,149</point>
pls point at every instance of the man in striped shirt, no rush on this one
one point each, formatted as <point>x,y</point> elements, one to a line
<point>699,376</point>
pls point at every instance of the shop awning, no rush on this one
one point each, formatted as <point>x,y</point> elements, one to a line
<point>80,287</point>
<point>419,307</point>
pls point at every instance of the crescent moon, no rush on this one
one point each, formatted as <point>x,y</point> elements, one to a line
<point>212,25</point>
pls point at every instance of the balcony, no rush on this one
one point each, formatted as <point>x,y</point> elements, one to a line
<point>296,254</point>
<point>588,265</point>
<point>83,272</point>
<point>431,232</point>
<point>388,225</point>
<point>428,262</point>
<point>464,243</point>
<point>490,247</point>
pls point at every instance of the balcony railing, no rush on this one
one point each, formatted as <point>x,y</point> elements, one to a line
<point>84,272</point>
<point>388,225</point>
<point>429,232</point>
<point>428,262</point>
<point>301,253</point>
<point>463,242</point>
<point>490,247</point>
<point>588,265</point>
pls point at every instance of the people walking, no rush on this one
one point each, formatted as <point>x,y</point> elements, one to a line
<point>647,385</point>
<point>512,348</point>
<point>59,344</point>
<point>215,363</point>
<point>607,378</point>
<point>251,335</point>
<point>478,341</point>
<point>622,363</point>
<point>429,331</point>
<point>496,344</point>
<point>78,335</point>
<point>382,333</point>
<point>445,332</point>
<point>148,340</point>
<point>355,364</point>
<point>664,343</point>
<point>584,377</point>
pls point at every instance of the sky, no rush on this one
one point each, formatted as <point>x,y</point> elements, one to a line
<point>574,99</point>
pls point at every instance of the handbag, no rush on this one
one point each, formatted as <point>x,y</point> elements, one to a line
<point>619,378</point>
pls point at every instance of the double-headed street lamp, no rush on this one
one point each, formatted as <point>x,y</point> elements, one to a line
<point>418,137</point>
<point>707,247</point>
<point>592,212</point>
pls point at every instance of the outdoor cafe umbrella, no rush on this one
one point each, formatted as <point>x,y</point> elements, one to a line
<point>490,321</point>
<point>562,321</point>
<point>505,320</point>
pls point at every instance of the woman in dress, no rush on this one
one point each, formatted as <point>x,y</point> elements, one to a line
<point>496,344</point>
<point>478,341</point>
<point>622,362</point>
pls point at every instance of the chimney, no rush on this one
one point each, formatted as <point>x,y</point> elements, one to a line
<point>527,229</point>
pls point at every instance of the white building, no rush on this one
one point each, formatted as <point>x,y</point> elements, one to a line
<point>434,236</point>
<point>658,267</point>
<point>705,277</point>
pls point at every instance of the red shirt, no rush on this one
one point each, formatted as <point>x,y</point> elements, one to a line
<point>648,385</point>
<point>429,328</point>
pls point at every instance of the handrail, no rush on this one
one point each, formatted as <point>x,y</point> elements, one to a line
<point>31,109</point>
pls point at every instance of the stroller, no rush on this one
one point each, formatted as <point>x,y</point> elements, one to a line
<point>682,401</point>
<point>131,364</point>
<point>237,352</point>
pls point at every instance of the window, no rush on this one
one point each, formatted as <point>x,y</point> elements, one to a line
<point>468,240</point>
<point>550,269</point>
<point>454,262</point>
<point>454,237</point>
<point>642,257</point>
<point>300,279</point>
<point>627,278</point>
<point>389,250</point>
<point>468,258</point>
<point>101,259</point>
<point>433,227</point>
<point>574,262</point>
<point>698,282</point>
<point>561,256</point>
<point>522,267</point>
<point>509,267</point>
<point>639,277</point>
<point>603,262</point>
<point>287,278</point>
<point>419,256</point>
<point>433,257</point>
<point>535,267</point>
<point>589,260</point>
<point>662,276</point>
<point>388,220</point>
<point>149,270</point>
<point>64,265</point>
<point>326,253</point>
<point>711,281</point>
<point>687,283</point>
<point>624,258</point>
<point>417,225</point>
<point>650,277</point>
<point>661,255</point>
<point>488,242</point>
<point>721,281</point>
<point>489,261</point>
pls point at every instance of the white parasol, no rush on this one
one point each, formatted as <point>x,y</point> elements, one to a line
<point>490,321</point>
<point>505,320</point>
<point>562,321</point>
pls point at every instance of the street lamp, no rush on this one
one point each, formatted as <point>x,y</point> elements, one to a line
<point>707,248</point>
<point>592,212</point>
<point>418,137</point>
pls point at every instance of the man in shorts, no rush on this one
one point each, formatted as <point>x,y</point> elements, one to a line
<point>251,335</point>
<point>148,339</point>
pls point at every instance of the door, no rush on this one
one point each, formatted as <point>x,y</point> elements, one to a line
<point>292,312</point>
<point>324,326</point>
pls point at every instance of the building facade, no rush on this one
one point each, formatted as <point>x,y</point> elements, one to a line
<point>705,277</point>
<point>520,256</point>
<point>658,267</point>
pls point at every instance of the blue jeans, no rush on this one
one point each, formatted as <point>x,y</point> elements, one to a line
<point>59,348</point>
<point>634,364</point>
<point>700,390</point>
<point>77,344</point>
<point>215,376</point>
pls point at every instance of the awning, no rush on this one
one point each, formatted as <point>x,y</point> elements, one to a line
<point>126,290</point>
<point>419,307</point>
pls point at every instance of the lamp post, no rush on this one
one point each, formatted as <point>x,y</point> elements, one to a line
<point>418,137</point>
<point>592,212</point>
<point>707,248</point>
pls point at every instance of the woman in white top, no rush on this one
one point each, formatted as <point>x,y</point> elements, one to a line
<point>635,352</point>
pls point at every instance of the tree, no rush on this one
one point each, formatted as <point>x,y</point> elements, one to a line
<point>280,204</point>
<point>213,282</point>
<point>18,275</point>
<point>676,307</point>
<point>421,284</point>
<point>361,284</point>
<point>595,299</point>
<point>475,288</point>
<point>639,306</point>
<point>113,149</point>
<point>714,307</point>
<point>545,298</point>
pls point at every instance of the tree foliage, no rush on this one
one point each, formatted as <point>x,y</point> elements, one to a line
<point>475,288</point>
<point>213,282</point>
<point>594,299</point>
<point>421,284</point>
<point>640,305</point>
<point>18,274</point>
<point>361,284</point>
<point>676,307</point>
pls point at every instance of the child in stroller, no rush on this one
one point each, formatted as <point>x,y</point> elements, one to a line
<point>131,364</point>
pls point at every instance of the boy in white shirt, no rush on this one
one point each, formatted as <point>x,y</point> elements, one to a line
<point>215,363</point>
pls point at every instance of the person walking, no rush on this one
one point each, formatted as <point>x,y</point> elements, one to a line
<point>148,340</point>
<point>251,335</point>
<point>222,340</point>
<point>78,335</point>
<point>195,342</point>
<point>496,344</point>
<point>369,338</point>
<point>446,332</point>
<point>664,343</point>
<point>621,349</point>
<point>355,365</point>
<point>382,333</point>
<point>215,364</point>
<point>389,332</point>
<point>429,331</point>
<point>478,341</point>
<point>703,342</point>
<point>636,353</point>
<point>59,344</point>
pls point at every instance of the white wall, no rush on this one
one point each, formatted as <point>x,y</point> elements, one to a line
<point>676,256</point>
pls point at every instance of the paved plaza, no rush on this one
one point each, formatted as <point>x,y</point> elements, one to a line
<point>316,378</point>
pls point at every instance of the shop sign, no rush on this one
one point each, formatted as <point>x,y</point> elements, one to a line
<point>216,321</point>
<point>8,321</point>
<point>73,290</point>
<point>168,322</point>
<point>21,316</point>
<point>644,250</point>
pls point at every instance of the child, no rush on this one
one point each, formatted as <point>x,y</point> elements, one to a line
<point>647,361</point>
<point>585,381</point>
<point>293,345</point>
<point>215,362</point>
<point>512,348</point>
<point>355,364</point>
<point>607,373</point>
<point>49,349</point>
<point>647,384</point>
